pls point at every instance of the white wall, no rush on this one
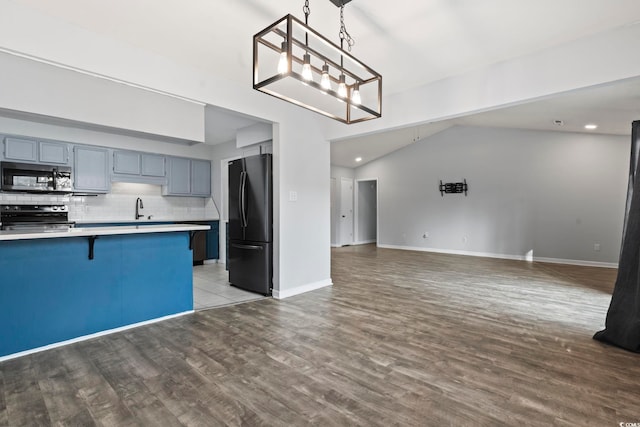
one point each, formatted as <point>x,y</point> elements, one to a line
<point>58,92</point>
<point>556,194</point>
<point>301,154</point>
<point>105,139</point>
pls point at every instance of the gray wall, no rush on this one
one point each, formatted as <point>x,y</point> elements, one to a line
<point>367,212</point>
<point>555,194</point>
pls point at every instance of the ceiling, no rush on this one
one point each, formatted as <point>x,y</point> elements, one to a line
<point>410,43</point>
<point>611,107</point>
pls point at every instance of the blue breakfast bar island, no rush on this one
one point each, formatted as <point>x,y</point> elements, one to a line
<point>62,285</point>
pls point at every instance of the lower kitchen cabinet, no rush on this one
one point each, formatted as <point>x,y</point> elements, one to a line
<point>212,240</point>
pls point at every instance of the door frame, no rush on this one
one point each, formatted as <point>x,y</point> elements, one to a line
<point>356,225</point>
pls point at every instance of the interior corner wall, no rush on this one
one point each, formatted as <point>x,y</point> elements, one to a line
<point>552,195</point>
<point>301,156</point>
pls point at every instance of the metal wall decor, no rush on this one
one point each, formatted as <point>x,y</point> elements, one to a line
<point>293,62</point>
<point>454,187</point>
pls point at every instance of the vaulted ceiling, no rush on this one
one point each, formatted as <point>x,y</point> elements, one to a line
<point>410,43</point>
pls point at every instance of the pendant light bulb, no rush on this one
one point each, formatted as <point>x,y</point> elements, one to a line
<point>307,75</point>
<point>342,87</point>
<point>325,81</point>
<point>283,64</point>
<point>355,95</point>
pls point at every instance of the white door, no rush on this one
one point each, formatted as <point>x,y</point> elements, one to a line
<point>346,211</point>
<point>334,212</point>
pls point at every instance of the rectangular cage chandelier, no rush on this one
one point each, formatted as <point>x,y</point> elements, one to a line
<point>293,62</point>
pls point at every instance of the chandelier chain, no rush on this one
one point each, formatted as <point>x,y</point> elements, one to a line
<point>344,34</point>
<point>307,11</point>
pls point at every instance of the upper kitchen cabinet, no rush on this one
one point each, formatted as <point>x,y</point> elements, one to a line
<point>179,177</point>
<point>32,151</point>
<point>126,162</point>
<point>201,178</point>
<point>188,177</point>
<point>53,152</point>
<point>22,150</point>
<point>91,169</point>
<point>132,166</point>
<point>153,165</point>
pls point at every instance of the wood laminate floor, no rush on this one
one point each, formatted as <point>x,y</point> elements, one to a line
<point>402,338</point>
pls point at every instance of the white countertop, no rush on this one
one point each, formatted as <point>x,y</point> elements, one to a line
<point>99,231</point>
<point>140,221</point>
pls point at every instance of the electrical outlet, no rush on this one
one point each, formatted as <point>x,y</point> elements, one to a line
<point>293,196</point>
<point>425,235</point>
<point>596,247</point>
<point>464,239</point>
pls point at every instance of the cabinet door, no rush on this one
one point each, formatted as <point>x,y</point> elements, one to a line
<point>91,169</point>
<point>126,162</point>
<point>54,152</point>
<point>179,176</point>
<point>201,178</point>
<point>152,165</point>
<point>20,149</point>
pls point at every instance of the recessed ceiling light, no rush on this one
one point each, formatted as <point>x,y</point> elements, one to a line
<point>358,159</point>
<point>591,126</point>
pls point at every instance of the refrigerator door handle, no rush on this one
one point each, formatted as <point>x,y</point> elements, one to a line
<point>253,247</point>
<point>243,207</point>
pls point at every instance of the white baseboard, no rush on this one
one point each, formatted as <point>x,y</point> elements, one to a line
<point>212,261</point>
<point>91,336</point>
<point>365,242</point>
<point>336,246</point>
<point>577,262</point>
<point>278,294</point>
<point>503,256</point>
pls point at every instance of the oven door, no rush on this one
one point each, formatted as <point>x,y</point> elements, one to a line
<point>38,227</point>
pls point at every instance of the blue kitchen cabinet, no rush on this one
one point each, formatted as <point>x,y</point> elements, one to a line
<point>153,165</point>
<point>51,152</point>
<point>22,150</point>
<point>91,169</point>
<point>188,177</point>
<point>132,166</point>
<point>33,151</point>
<point>179,177</point>
<point>200,177</point>
<point>212,240</point>
<point>126,162</point>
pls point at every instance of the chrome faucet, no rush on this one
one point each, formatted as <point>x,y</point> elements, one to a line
<point>139,206</point>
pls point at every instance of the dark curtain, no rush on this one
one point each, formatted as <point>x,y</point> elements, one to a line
<point>622,327</point>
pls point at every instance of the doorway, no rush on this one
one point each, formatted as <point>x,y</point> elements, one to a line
<point>366,211</point>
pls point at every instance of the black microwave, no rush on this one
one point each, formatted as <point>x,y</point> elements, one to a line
<point>34,178</point>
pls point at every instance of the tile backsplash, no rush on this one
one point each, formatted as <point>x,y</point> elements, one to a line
<point>120,204</point>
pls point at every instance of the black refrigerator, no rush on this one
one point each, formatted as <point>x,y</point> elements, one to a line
<point>250,224</point>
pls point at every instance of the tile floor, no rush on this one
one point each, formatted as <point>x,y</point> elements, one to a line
<point>211,288</point>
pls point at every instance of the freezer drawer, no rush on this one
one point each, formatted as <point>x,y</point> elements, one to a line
<point>250,266</point>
